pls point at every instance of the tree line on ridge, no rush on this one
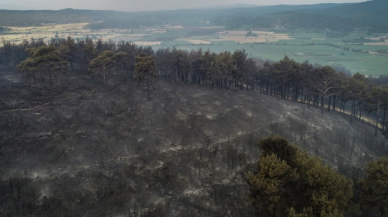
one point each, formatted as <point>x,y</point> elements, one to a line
<point>322,86</point>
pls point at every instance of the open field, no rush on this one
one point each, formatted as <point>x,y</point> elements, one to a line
<point>301,45</point>
<point>78,30</point>
<point>385,43</point>
<point>47,31</point>
<point>241,37</point>
<point>194,41</point>
<point>367,64</point>
<point>147,43</point>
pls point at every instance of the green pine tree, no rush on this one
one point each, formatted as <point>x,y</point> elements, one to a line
<point>145,70</point>
<point>289,182</point>
<point>103,63</point>
<point>375,186</point>
<point>43,59</point>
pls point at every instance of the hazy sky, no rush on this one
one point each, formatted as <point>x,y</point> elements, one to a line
<point>141,5</point>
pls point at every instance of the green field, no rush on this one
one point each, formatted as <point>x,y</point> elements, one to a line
<point>301,45</point>
<point>310,45</point>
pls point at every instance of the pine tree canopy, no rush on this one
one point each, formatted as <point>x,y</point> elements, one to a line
<point>290,182</point>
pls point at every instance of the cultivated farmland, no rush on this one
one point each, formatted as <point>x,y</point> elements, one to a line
<point>303,44</point>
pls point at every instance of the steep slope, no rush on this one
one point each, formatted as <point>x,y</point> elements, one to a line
<point>98,150</point>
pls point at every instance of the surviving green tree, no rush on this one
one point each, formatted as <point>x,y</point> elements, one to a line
<point>375,186</point>
<point>145,70</point>
<point>103,63</point>
<point>121,59</point>
<point>289,182</point>
<point>376,99</point>
<point>43,59</point>
<point>30,68</point>
<point>68,51</point>
<point>283,71</point>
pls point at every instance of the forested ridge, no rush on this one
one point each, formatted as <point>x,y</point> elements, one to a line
<point>124,158</point>
<point>303,82</point>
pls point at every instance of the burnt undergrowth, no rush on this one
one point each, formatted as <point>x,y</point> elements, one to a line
<point>90,149</point>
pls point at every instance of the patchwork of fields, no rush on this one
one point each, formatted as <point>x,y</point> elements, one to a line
<point>301,45</point>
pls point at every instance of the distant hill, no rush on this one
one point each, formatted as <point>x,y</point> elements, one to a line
<point>343,17</point>
<point>112,19</point>
<point>257,11</point>
<point>29,18</point>
<point>229,6</point>
<point>294,20</point>
<point>358,10</point>
<point>337,17</point>
<point>116,18</point>
<point>370,13</point>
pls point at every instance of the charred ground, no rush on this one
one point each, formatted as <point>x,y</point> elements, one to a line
<point>105,150</point>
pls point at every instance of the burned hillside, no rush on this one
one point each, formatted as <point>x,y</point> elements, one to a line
<point>105,150</point>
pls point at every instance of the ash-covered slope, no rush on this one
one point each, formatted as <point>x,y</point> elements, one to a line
<point>106,151</point>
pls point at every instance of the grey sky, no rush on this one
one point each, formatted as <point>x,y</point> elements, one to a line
<point>141,5</point>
